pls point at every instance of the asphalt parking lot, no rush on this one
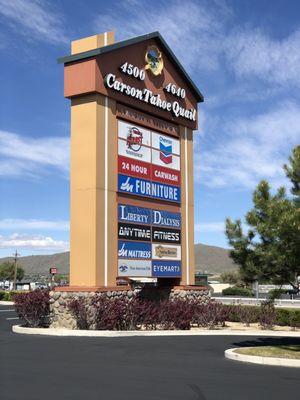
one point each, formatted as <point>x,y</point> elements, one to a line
<point>142,368</point>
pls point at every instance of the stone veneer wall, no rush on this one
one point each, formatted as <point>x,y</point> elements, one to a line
<point>61,317</point>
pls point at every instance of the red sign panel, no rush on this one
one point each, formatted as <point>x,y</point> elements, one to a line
<point>165,175</point>
<point>53,271</point>
<point>136,168</point>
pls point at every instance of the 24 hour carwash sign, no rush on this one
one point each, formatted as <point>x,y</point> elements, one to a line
<point>133,113</point>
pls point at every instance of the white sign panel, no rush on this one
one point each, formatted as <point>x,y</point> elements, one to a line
<point>162,251</point>
<point>165,143</point>
<point>134,268</point>
<point>133,134</point>
<point>141,153</point>
<point>167,160</point>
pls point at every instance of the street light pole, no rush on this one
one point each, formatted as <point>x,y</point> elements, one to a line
<point>16,255</point>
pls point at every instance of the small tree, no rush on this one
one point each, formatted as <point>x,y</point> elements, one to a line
<point>270,250</point>
<point>293,173</point>
<point>232,277</point>
<point>7,271</point>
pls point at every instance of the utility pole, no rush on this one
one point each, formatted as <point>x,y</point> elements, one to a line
<point>16,255</point>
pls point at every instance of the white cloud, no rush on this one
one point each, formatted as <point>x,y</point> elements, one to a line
<point>205,36</point>
<point>35,19</point>
<point>32,242</point>
<point>198,25</point>
<point>208,227</point>
<point>252,52</point>
<point>22,155</point>
<point>250,149</point>
<point>33,224</point>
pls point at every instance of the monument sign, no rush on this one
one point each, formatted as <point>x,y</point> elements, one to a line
<point>133,113</point>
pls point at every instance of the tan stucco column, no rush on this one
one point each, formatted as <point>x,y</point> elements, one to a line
<point>93,242</point>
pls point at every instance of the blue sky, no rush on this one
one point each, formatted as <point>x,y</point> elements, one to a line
<point>243,55</point>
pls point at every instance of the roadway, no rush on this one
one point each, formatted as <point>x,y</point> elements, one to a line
<point>283,303</point>
<point>136,368</point>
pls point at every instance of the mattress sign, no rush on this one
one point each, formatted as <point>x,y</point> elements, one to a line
<point>136,168</point>
<point>166,269</point>
<point>134,232</point>
<point>166,218</point>
<point>166,252</point>
<point>135,136</point>
<point>165,159</point>
<point>134,250</point>
<point>165,144</point>
<point>142,187</point>
<point>128,213</point>
<point>166,235</point>
<point>134,268</point>
<point>138,152</point>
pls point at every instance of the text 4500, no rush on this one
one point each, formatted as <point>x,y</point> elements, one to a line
<point>132,70</point>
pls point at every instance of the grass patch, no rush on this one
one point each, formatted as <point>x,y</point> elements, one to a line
<point>284,351</point>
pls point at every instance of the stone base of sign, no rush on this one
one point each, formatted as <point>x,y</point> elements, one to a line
<point>61,317</point>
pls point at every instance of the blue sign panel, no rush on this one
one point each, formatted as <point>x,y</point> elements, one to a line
<point>134,214</point>
<point>166,192</point>
<point>166,218</point>
<point>166,269</point>
<point>142,187</point>
<point>134,250</point>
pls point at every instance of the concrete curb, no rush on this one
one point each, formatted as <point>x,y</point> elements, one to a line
<point>6,303</point>
<point>274,361</point>
<point>87,333</point>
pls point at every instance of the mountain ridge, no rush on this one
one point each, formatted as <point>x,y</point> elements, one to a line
<point>208,259</point>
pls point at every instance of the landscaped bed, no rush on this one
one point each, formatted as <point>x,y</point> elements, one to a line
<point>99,312</point>
<point>284,351</point>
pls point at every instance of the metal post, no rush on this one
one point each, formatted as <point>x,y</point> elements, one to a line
<point>16,255</point>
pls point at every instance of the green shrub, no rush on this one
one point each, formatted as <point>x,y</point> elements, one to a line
<point>294,319</point>
<point>244,314</point>
<point>275,293</point>
<point>8,295</point>
<point>282,317</point>
<point>237,291</point>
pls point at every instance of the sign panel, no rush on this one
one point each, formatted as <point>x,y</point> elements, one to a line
<point>165,175</point>
<point>165,143</point>
<point>164,159</point>
<point>128,213</point>
<point>134,268</point>
<point>166,218</point>
<point>135,136</point>
<point>134,232</point>
<point>166,235</point>
<point>53,271</point>
<point>142,187</point>
<point>134,250</point>
<point>136,168</point>
<point>138,153</point>
<point>166,269</point>
<point>166,252</point>
<point>148,166</point>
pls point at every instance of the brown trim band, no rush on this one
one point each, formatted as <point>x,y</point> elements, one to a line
<point>147,120</point>
<point>156,204</point>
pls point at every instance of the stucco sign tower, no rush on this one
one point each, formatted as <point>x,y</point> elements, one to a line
<point>133,113</point>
